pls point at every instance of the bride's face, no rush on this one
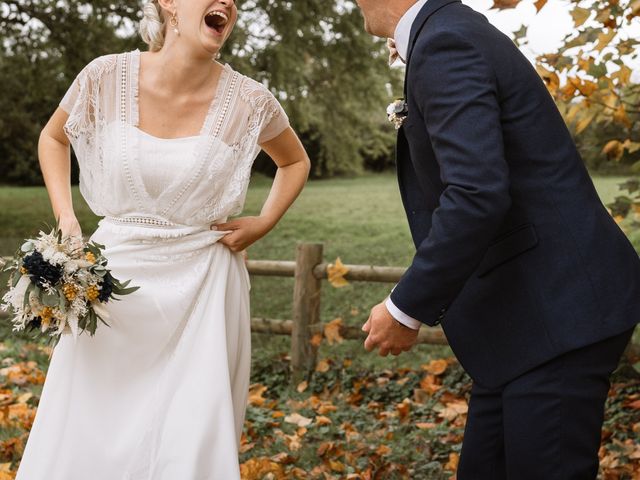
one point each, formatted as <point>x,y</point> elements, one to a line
<point>207,23</point>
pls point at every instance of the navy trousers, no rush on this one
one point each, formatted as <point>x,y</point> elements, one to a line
<point>545,424</point>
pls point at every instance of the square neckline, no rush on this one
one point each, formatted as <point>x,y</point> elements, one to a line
<point>162,140</point>
<point>220,90</point>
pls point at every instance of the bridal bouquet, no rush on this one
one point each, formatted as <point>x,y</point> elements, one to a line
<point>60,286</point>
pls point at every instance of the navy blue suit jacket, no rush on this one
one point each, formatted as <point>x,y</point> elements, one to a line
<point>516,257</point>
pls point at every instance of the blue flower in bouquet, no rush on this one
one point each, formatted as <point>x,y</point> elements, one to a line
<point>40,271</point>
<point>106,288</point>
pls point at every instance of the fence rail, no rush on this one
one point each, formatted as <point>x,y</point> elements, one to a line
<point>309,270</point>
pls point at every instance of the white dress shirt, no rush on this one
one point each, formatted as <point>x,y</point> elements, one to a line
<point>401,38</point>
<point>403,29</point>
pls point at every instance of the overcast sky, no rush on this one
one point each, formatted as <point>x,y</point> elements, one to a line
<point>546,29</point>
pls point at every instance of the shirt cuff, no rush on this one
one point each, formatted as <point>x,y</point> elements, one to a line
<point>402,317</point>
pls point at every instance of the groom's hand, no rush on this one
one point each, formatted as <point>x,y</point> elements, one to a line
<point>387,334</point>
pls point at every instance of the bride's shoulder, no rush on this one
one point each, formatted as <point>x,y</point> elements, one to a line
<point>252,91</point>
<point>101,65</point>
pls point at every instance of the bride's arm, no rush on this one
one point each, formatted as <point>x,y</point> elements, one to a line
<point>293,163</point>
<point>55,162</point>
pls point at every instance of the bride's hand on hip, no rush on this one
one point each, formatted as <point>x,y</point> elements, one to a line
<point>244,231</point>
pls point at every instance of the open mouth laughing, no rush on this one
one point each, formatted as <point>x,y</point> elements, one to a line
<point>216,20</point>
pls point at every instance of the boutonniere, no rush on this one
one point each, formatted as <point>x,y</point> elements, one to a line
<point>397,112</point>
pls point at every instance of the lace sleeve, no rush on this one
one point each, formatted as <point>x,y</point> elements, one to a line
<point>82,98</point>
<point>275,121</point>
<point>71,97</point>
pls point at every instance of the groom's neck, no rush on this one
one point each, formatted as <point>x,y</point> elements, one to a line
<point>396,10</point>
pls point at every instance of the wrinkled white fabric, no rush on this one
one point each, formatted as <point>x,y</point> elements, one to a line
<point>161,393</point>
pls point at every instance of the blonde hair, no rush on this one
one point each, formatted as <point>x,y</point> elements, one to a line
<point>153,25</point>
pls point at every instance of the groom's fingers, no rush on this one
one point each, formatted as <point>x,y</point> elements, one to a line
<point>367,326</point>
<point>370,343</point>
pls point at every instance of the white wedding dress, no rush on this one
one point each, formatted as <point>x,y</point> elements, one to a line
<point>161,393</point>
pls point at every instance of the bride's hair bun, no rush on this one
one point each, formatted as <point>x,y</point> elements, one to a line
<point>152,26</point>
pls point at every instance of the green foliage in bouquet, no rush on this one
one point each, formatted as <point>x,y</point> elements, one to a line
<point>60,285</point>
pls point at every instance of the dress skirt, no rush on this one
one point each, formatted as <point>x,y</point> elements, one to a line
<point>161,393</point>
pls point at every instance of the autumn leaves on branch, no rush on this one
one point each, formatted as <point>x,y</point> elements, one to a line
<point>591,74</point>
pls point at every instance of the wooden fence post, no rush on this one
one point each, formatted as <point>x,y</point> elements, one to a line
<point>306,310</point>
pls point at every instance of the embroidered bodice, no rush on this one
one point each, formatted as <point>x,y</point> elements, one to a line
<point>208,181</point>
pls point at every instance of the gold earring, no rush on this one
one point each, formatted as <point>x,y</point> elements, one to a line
<point>174,24</point>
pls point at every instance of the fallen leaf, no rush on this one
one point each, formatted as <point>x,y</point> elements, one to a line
<point>336,273</point>
<point>297,419</point>
<point>255,395</point>
<point>436,367</point>
<point>634,405</point>
<point>453,410</point>
<point>337,466</point>
<point>332,331</point>
<point>452,464</point>
<point>322,420</point>
<point>404,408</point>
<point>323,366</point>
<point>24,398</point>
<point>325,408</point>
<point>283,458</point>
<point>425,425</point>
<point>383,450</point>
<point>246,447</point>
<point>316,340</point>
<point>259,468</point>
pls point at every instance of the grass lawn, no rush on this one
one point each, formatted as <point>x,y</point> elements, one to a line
<point>360,416</point>
<point>360,220</point>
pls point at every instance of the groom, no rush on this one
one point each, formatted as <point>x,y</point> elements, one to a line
<point>536,287</point>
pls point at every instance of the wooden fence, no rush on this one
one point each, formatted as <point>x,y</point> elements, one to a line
<point>308,270</point>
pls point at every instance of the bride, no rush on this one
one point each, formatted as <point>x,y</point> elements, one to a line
<point>165,140</point>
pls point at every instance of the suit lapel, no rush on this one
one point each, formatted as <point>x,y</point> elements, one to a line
<point>431,7</point>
